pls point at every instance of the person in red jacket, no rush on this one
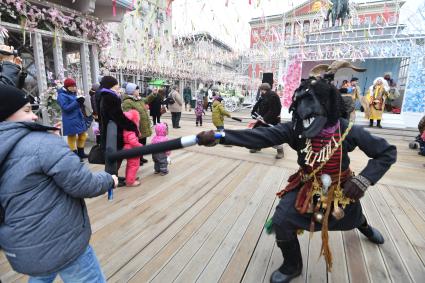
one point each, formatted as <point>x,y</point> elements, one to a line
<point>131,140</point>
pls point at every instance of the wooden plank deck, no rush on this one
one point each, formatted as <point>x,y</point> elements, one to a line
<point>204,222</point>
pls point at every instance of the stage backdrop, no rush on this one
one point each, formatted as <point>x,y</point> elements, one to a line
<point>375,68</point>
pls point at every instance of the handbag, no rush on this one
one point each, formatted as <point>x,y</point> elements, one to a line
<point>96,155</point>
<point>163,110</point>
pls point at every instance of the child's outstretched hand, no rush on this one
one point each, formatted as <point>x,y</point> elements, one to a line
<point>206,138</point>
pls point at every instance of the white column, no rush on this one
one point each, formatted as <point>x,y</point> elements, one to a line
<point>85,67</point>
<point>58,58</point>
<point>39,63</point>
<point>40,72</point>
<point>94,63</point>
<point>138,82</point>
<point>292,31</point>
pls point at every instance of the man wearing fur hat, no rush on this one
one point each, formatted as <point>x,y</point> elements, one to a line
<point>268,107</point>
<point>376,96</point>
<point>324,194</point>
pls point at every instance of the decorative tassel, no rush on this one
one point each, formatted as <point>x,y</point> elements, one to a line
<point>325,250</point>
<point>268,226</point>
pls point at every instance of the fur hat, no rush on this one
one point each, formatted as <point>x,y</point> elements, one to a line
<point>69,82</point>
<point>108,82</point>
<point>11,100</point>
<point>265,86</point>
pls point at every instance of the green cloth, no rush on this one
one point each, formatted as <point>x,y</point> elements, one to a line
<point>218,113</point>
<point>129,103</point>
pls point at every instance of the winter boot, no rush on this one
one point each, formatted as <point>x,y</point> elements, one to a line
<point>81,153</point>
<point>371,233</point>
<point>143,161</point>
<point>370,123</point>
<point>280,153</point>
<point>422,151</point>
<point>76,153</point>
<point>378,124</point>
<point>292,262</point>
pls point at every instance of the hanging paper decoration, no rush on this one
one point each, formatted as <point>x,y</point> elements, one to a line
<point>291,81</point>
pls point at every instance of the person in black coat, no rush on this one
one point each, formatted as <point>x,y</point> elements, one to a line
<point>155,105</point>
<point>268,107</point>
<point>110,110</point>
<point>11,67</point>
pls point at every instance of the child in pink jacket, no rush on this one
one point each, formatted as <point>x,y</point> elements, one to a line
<point>131,141</point>
<point>161,158</point>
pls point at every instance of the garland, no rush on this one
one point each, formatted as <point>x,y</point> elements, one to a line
<point>30,17</point>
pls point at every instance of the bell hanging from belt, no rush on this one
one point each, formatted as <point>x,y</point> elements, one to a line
<point>338,213</point>
<point>326,182</point>
<point>318,216</point>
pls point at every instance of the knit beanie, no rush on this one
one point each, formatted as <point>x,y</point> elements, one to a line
<point>11,100</point>
<point>108,82</point>
<point>130,88</point>
<point>69,82</point>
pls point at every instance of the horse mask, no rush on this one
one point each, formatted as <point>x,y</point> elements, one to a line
<point>316,103</point>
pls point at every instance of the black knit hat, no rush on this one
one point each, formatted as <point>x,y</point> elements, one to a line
<point>108,82</point>
<point>11,100</point>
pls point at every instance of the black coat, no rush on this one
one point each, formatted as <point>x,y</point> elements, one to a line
<point>269,107</point>
<point>155,106</point>
<point>10,74</point>
<point>110,110</point>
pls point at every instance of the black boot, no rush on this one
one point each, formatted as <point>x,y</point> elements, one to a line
<point>143,160</point>
<point>292,264</point>
<point>81,153</point>
<point>76,153</point>
<point>378,124</point>
<point>371,233</point>
<point>370,123</point>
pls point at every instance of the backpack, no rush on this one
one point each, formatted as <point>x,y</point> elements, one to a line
<point>170,100</point>
<point>96,155</point>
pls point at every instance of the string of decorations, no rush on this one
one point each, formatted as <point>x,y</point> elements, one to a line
<point>30,17</point>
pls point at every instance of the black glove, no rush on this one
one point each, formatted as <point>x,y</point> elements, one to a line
<point>80,99</point>
<point>206,138</point>
<point>355,187</point>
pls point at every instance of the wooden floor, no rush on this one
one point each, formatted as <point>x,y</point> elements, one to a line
<point>204,222</point>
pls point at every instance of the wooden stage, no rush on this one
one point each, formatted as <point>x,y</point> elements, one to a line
<point>204,222</point>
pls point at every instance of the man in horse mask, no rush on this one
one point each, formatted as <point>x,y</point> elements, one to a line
<point>324,193</point>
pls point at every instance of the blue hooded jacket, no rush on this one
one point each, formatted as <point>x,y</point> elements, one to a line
<point>72,117</point>
<point>42,189</point>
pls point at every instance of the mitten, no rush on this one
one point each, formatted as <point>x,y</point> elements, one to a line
<point>80,99</point>
<point>355,187</point>
<point>206,138</point>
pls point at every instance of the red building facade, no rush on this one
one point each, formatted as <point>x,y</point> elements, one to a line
<point>293,27</point>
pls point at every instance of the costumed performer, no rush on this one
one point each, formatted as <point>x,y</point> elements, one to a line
<point>324,193</point>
